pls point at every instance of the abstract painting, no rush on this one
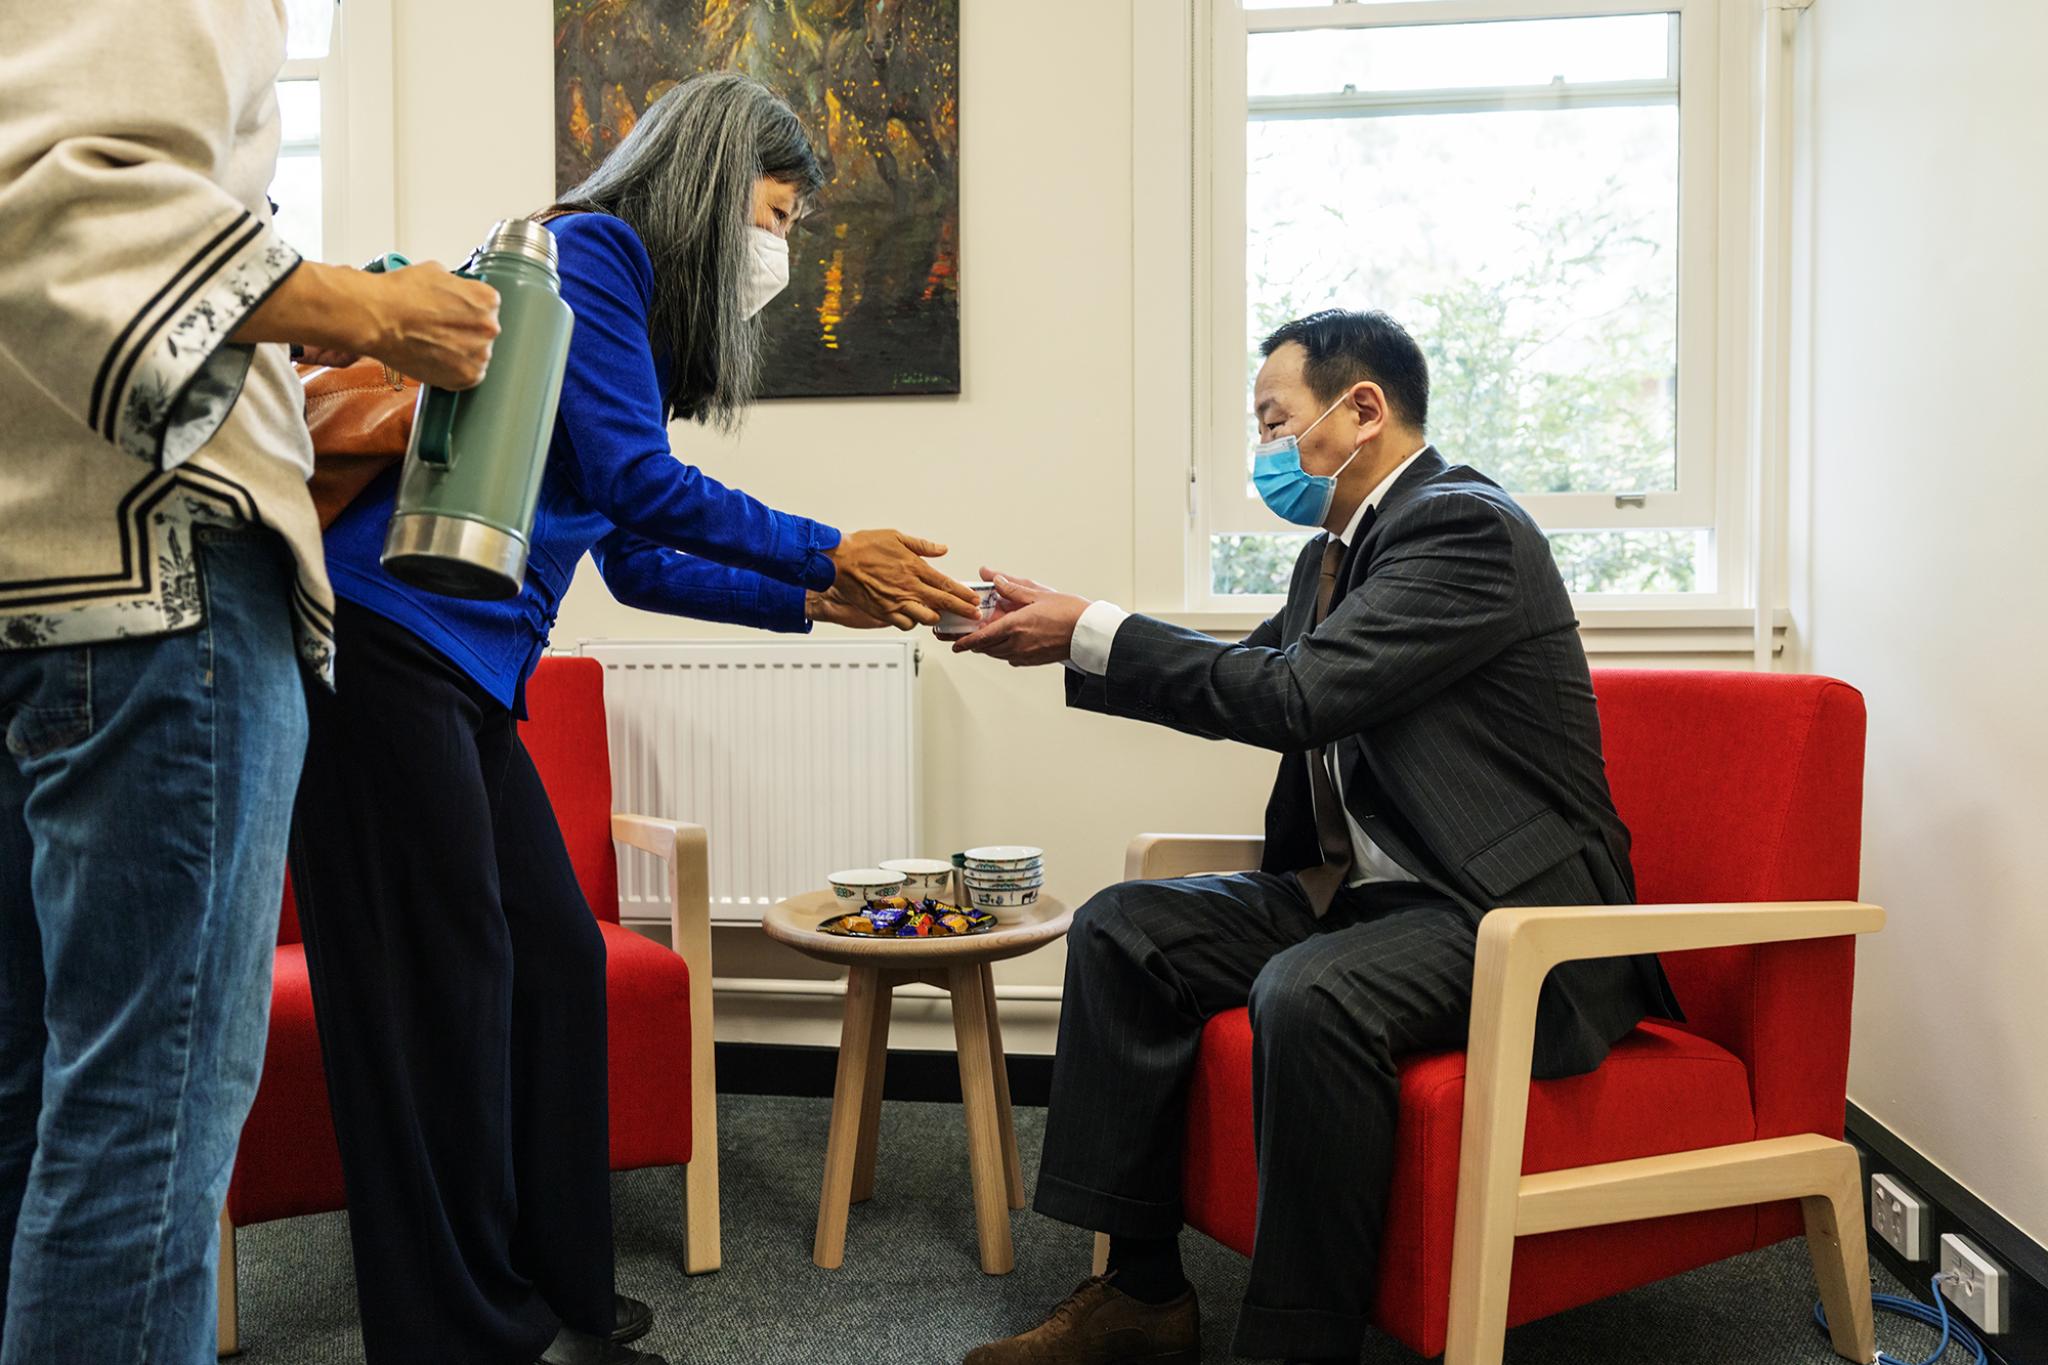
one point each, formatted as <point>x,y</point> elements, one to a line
<point>873,305</point>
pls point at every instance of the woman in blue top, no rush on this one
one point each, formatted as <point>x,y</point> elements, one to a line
<point>457,973</point>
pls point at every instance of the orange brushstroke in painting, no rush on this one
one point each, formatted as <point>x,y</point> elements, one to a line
<point>579,118</point>
<point>831,308</point>
<point>619,113</point>
<point>835,125</point>
<point>945,269</point>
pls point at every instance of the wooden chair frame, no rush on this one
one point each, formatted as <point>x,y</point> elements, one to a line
<point>682,847</point>
<point>1518,946</point>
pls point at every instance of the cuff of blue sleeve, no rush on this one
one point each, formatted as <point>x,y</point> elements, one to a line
<point>818,572</point>
<point>781,607</point>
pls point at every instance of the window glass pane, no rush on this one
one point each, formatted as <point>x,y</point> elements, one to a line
<point>1532,251</point>
<point>1590,561</point>
<point>296,188</point>
<point>1635,561</point>
<point>298,110</point>
<point>298,183</point>
<point>1630,47</point>
<point>1253,562</point>
<point>309,28</point>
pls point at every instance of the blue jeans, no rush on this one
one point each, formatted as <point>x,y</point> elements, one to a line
<point>145,797</point>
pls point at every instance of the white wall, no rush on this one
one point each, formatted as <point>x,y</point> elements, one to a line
<point>1926,560</point>
<point>1028,470</point>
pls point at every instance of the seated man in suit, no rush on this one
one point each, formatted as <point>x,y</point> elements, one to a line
<point>1440,756</point>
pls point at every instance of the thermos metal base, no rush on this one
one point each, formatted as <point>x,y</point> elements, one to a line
<point>454,556</point>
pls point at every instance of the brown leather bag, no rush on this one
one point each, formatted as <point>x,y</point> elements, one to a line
<point>361,419</point>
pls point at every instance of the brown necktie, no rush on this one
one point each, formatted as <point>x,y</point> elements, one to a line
<point>1333,832</point>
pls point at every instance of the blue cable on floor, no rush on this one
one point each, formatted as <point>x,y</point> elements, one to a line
<point>1936,1316</point>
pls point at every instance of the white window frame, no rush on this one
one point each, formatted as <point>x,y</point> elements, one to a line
<point>357,144</point>
<point>1188,91</point>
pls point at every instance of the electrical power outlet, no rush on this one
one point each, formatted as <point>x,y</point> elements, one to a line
<point>1900,1216</point>
<point>1980,1286</point>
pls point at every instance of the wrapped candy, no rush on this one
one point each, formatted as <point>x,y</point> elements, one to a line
<point>899,917</point>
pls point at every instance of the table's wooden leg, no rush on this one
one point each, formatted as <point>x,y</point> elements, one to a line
<point>1013,1169</point>
<point>984,1139</point>
<point>848,1104</point>
<point>871,1109</point>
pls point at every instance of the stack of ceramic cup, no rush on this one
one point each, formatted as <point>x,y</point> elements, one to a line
<point>1002,876</point>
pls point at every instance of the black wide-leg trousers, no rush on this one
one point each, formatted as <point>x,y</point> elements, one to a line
<point>459,984</point>
<point>1334,1001</point>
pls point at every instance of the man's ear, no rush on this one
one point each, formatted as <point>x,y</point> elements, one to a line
<point>1369,401</point>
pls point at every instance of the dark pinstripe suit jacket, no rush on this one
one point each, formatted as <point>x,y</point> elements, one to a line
<point>1450,676</point>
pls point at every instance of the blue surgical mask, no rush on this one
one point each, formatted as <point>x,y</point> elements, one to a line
<point>1292,492</point>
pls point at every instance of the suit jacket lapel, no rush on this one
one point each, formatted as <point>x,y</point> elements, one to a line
<point>1428,464</point>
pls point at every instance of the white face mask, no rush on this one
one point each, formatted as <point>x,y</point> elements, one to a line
<point>767,270</point>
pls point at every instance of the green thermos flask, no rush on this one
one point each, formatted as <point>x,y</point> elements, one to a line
<point>473,469</point>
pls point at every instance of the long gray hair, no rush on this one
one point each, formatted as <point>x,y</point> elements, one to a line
<point>683,179</point>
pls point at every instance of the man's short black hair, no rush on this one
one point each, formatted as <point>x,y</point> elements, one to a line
<point>1345,347</point>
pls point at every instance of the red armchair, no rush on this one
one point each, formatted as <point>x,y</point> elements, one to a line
<point>1691,1142</point>
<point>663,1097</point>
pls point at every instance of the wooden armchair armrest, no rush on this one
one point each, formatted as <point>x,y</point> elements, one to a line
<point>1155,857</point>
<point>1538,937</point>
<point>1518,946</point>
<point>682,846</point>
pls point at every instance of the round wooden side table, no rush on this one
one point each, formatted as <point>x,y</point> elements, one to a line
<point>960,966</point>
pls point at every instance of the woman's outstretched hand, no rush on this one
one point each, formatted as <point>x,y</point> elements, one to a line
<point>883,575</point>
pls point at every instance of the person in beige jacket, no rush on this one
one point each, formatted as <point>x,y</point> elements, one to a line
<point>160,568</point>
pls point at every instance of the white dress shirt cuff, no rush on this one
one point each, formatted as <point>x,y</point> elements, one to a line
<point>1094,633</point>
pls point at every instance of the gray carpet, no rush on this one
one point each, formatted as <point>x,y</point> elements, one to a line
<point>911,1289</point>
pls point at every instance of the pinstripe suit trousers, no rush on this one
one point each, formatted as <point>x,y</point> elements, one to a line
<point>1334,1001</point>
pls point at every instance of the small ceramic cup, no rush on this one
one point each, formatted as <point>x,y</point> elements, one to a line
<point>860,885</point>
<point>1023,876</point>
<point>954,625</point>
<point>1002,858</point>
<point>1012,898</point>
<point>924,877</point>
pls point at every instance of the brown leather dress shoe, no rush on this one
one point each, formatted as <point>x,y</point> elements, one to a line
<point>1099,1324</point>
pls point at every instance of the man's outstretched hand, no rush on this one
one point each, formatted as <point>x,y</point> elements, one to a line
<point>1033,624</point>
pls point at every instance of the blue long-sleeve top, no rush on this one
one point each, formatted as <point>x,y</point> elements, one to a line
<point>664,536</point>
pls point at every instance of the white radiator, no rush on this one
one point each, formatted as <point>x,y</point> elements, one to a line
<point>799,759</point>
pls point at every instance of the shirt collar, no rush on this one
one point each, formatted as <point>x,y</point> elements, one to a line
<point>1372,499</point>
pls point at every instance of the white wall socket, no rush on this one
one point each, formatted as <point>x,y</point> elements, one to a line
<point>1980,1287</point>
<point>1900,1216</point>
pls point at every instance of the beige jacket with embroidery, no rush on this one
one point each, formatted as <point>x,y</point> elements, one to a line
<point>137,141</point>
